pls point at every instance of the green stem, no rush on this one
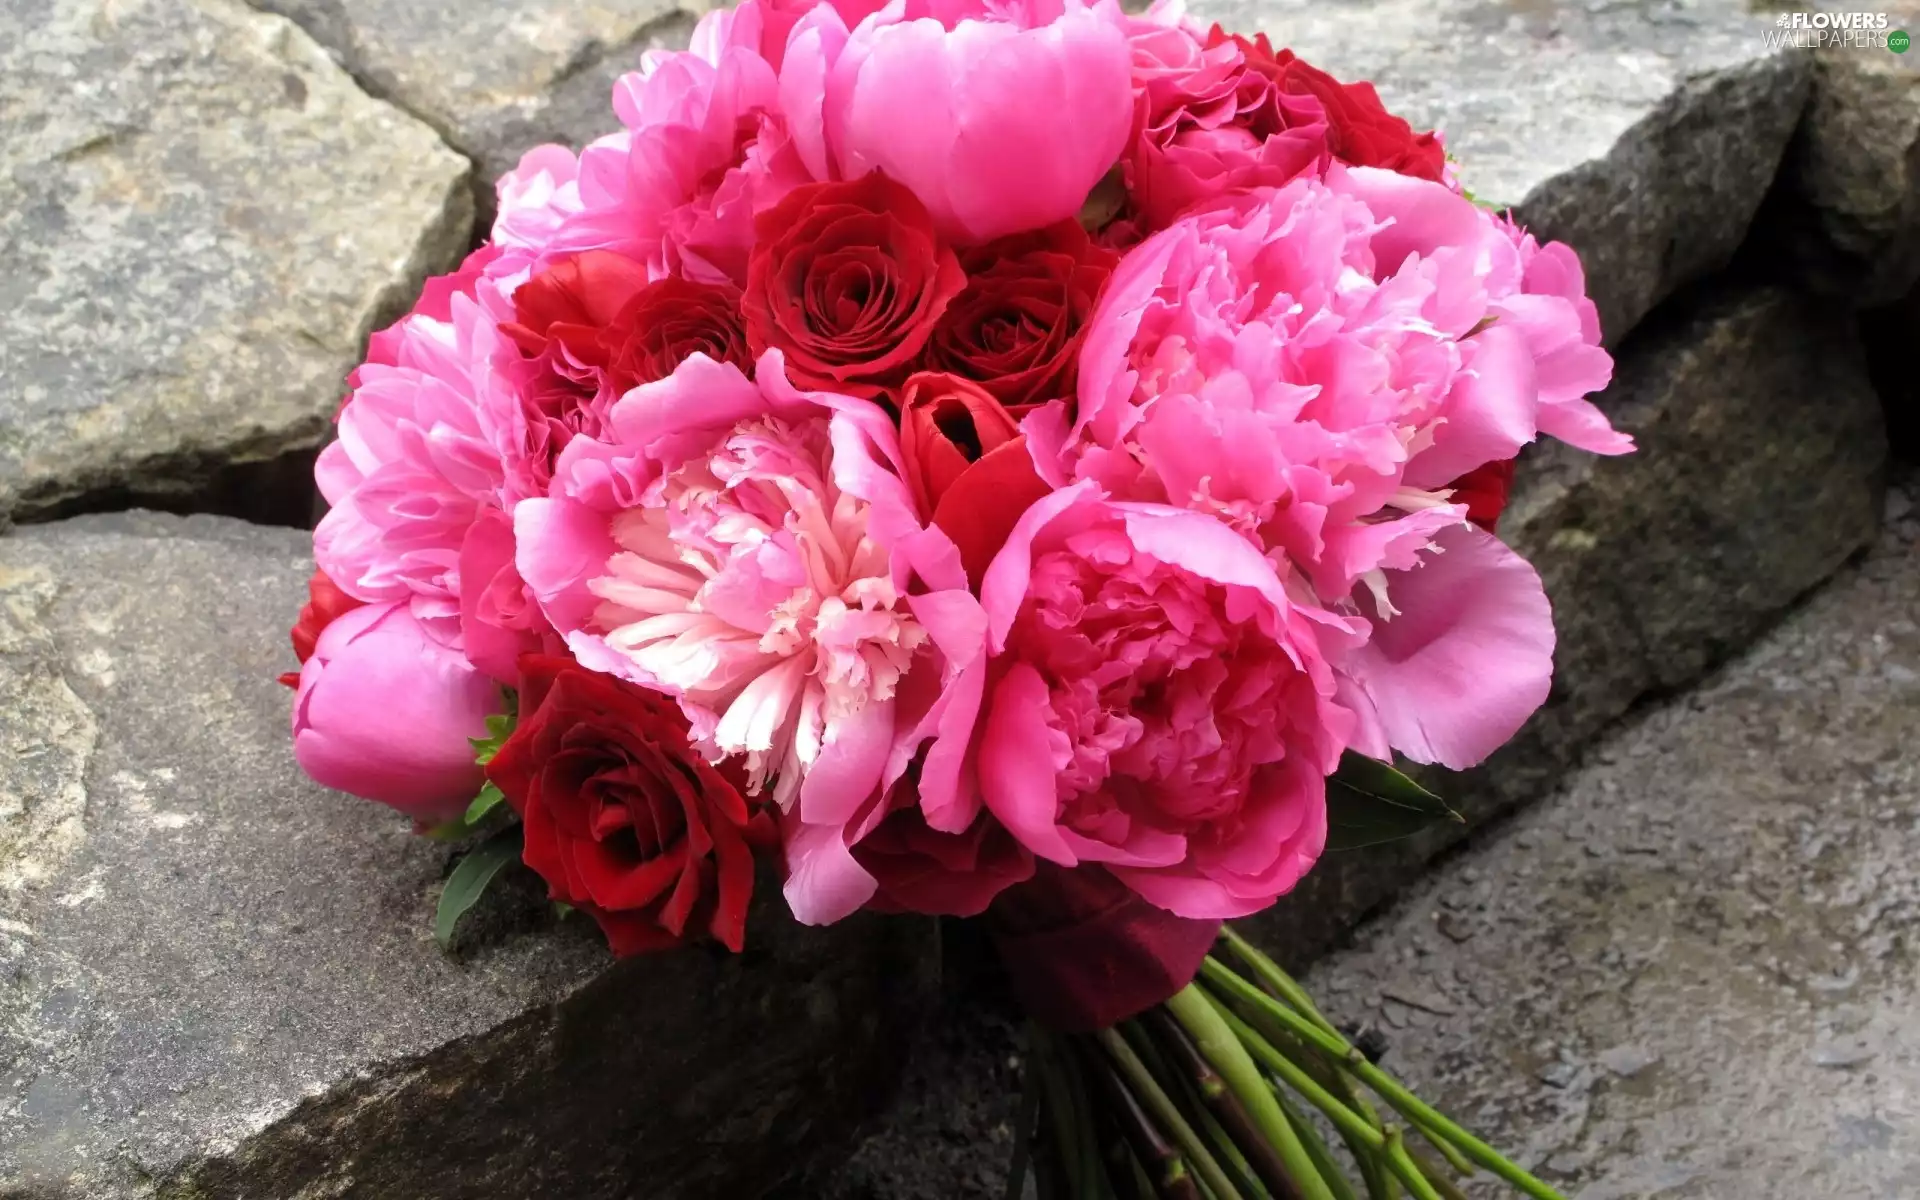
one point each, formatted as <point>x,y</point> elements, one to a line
<point>1389,1089</point>
<point>1377,1144</point>
<point>1317,1150</point>
<point>1150,1146</point>
<point>1163,1110</point>
<point>1219,1046</point>
<point>1286,988</point>
<point>1259,1166</point>
<point>1269,973</point>
<point>1373,1172</point>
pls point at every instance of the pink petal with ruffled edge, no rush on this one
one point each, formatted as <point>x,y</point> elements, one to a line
<point>1465,664</point>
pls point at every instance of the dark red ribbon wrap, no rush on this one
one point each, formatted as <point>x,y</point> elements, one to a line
<point>1083,952</point>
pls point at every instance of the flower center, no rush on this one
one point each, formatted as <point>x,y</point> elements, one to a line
<point>749,587</point>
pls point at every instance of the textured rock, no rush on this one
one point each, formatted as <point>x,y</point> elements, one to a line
<point>1643,135</point>
<point>1848,209</point>
<point>1690,974</point>
<point>496,77</point>
<point>201,218</point>
<point>1744,494</point>
<point>220,980</point>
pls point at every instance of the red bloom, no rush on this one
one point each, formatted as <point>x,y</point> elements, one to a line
<point>666,322</point>
<point>921,870</point>
<point>1016,328</point>
<point>946,424</point>
<point>325,602</point>
<point>570,302</point>
<point>1484,491</point>
<point>622,817</point>
<point>1361,131</point>
<point>848,280</point>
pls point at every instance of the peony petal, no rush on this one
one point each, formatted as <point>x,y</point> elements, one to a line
<point>1466,663</point>
<point>1017,767</point>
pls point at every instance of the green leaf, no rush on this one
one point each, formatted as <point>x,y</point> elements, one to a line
<point>490,798</point>
<point>500,727</point>
<point>1368,802</point>
<point>470,879</point>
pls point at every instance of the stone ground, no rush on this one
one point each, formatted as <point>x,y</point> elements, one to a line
<point>1691,972</point>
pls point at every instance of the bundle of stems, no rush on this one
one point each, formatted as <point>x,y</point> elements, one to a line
<point>1207,1097</point>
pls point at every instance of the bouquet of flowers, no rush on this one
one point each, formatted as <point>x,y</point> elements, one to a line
<point>1004,458</point>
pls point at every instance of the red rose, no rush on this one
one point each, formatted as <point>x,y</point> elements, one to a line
<point>325,603</point>
<point>1016,327</point>
<point>1484,491</point>
<point>571,301</point>
<point>947,424</point>
<point>666,322</point>
<point>622,817</point>
<point>1361,131</point>
<point>920,870</point>
<point>848,280</point>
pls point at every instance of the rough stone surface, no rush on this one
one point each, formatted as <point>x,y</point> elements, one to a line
<point>1743,496</point>
<point>220,981</point>
<point>1848,208</point>
<point>1643,134</point>
<point>496,77</point>
<point>201,218</point>
<point>1690,974</point>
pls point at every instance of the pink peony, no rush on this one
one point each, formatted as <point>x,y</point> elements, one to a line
<point>1160,705</point>
<point>385,711</point>
<point>416,463</point>
<point>999,125</point>
<point>704,150</point>
<point>1309,364</point>
<point>753,550</point>
<point>1207,123</point>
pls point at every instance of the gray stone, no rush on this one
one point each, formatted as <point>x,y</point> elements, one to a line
<point>1645,135</point>
<point>1761,968</point>
<point>496,77</point>
<point>1849,212</point>
<point>1743,495</point>
<point>201,218</point>
<point>220,980</point>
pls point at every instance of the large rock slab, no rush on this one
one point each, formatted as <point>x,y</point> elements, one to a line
<point>220,980</point>
<point>1644,136</point>
<point>1848,207</point>
<point>1690,974</point>
<point>496,77</point>
<point>1760,469</point>
<point>201,218</point>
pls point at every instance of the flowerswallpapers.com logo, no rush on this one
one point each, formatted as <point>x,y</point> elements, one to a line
<point>1818,30</point>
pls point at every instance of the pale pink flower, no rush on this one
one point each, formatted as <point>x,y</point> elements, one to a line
<point>1160,704</point>
<point>1313,364</point>
<point>415,464</point>
<point>999,117</point>
<point>752,550</point>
